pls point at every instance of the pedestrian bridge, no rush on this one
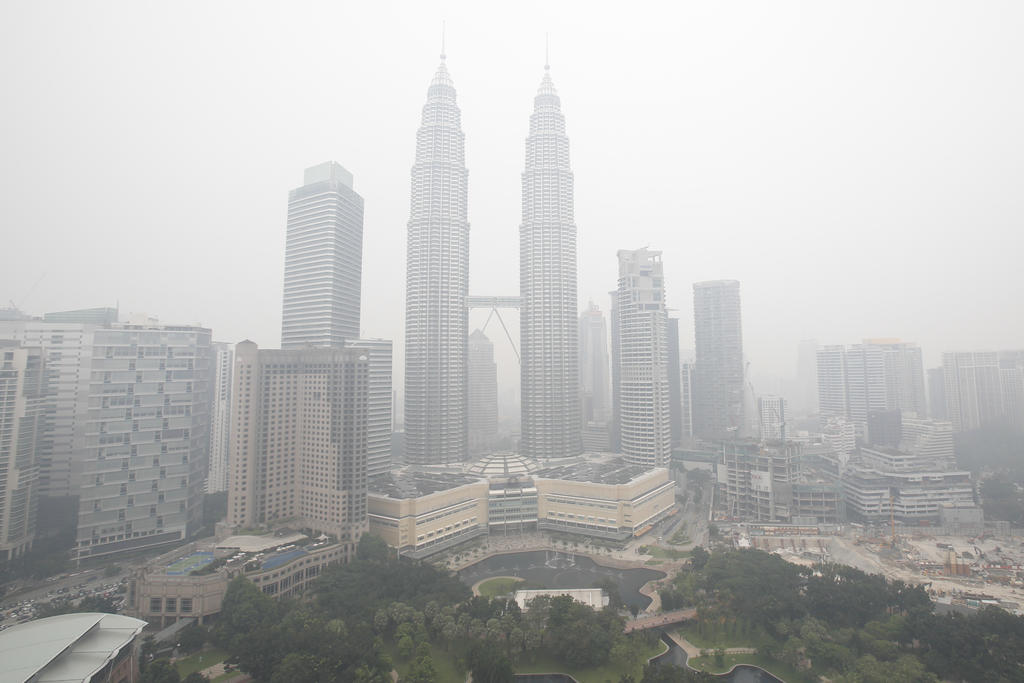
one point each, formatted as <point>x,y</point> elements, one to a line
<point>659,620</point>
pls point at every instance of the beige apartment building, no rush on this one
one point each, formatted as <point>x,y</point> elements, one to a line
<point>299,440</point>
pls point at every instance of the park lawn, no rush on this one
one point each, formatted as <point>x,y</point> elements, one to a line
<point>662,553</point>
<point>772,666</point>
<point>718,636</point>
<point>499,585</point>
<point>598,674</point>
<point>446,664</point>
<point>203,659</point>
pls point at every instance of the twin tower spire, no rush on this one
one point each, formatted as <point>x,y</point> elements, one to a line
<point>437,285</point>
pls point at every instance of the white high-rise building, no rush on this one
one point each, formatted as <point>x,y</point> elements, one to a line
<point>645,422</point>
<point>379,421</point>
<point>220,416</point>
<point>323,260</point>
<point>686,371</point>
<point>437,284</point>
<point>547,280</point>
<point>483,394</point>
<point>147,439</point>
<point>771,412</point>
<point>973,388</point>
<point>832,398</point>
<point>22,420</point>
<point>68,349</point>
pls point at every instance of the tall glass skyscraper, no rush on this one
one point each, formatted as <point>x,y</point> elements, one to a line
<point>323,260</point>
<point>547,281</point>
<point>322,287</point>
<point>437,284</point>
<point>718,335</point>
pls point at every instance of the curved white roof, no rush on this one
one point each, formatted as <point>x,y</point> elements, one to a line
<point>68,647</point>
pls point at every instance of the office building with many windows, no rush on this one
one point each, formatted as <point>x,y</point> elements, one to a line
<point>147,438</point>
<point>323,260</point>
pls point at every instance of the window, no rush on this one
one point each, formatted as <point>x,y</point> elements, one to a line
<point>186,605</point>
<point>171,605</point>
<point>154,604</point>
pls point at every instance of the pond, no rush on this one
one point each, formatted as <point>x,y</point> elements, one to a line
<point>560,569</point>
<point>741,673</point>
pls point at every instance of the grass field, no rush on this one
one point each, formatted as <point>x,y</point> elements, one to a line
<point>200,660</point>
<point>718,636</point>
<point>664,554</point>
<point>776,668</point>
<point>499,585</point>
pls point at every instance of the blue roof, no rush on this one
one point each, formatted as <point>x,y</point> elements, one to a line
<point>282,559</point>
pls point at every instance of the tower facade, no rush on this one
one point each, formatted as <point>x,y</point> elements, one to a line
<point>718,337</point>
<point>379,421</point>
<point>147,443</point>
<point>483,394</point>
<point>547,281</point>
<point>299,439</point>
<point>595,387</point>
<point>645,423</point>
<point>23,390</point>
<point>323,260</point>
<point>220,416</point>
<point>437,284</point>
<point>973,391</point>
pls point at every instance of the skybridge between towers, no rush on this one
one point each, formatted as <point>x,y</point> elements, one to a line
<point>496,304</point>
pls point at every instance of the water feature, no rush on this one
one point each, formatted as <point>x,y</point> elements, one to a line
<point>741,673</point>
<point>560,569</point>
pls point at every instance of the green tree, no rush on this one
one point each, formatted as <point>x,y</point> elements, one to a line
<point>373,548</point>
<point>192,637</point>
<point>160,671</point>
<point>489,665</point>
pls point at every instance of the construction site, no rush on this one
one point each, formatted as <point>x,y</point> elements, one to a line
<point>962,570</point>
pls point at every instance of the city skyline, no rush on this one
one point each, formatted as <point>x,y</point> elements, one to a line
<point>692,194</point>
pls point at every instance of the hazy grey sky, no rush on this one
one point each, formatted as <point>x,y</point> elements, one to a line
<point>857,166</point>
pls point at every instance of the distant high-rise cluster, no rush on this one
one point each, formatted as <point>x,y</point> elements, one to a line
<point>874,376</point>
<point>718,393</point>
<point>437,284</point>
<point>645,426</point>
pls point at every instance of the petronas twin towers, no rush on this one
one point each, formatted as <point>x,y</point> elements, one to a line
<point>437,286</point>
